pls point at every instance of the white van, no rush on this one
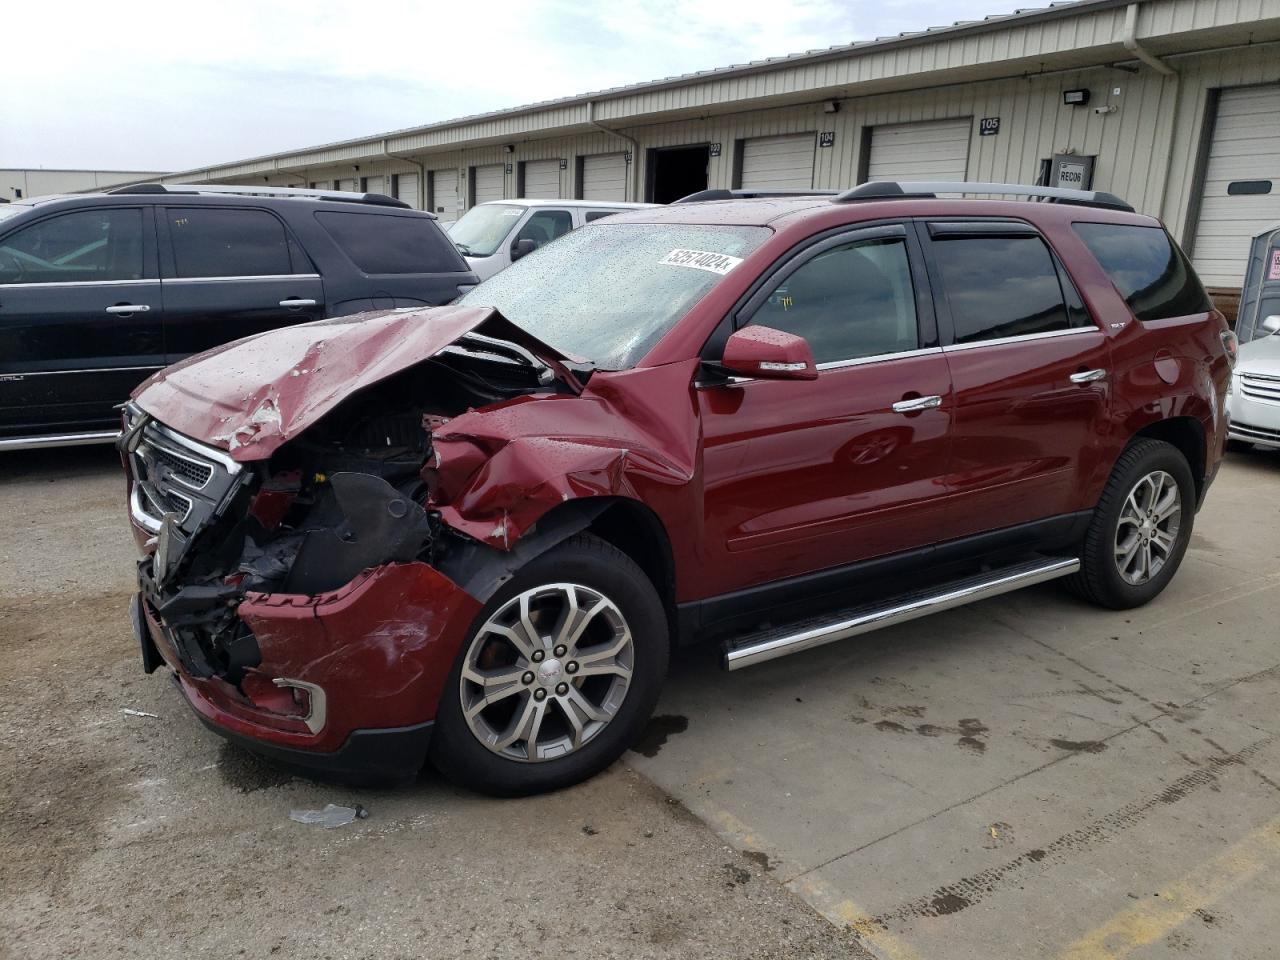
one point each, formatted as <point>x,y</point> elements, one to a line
<point>495,234</point>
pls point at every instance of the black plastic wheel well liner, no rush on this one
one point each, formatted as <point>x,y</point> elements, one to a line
<point>1185,433</point>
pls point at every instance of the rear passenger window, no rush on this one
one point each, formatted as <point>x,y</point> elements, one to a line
<point>848,302</point>
<point>1002,287</point>
<point>213,242</point>
<point>545,226</point>
<point>1148,269</point>
<point>382,243</point>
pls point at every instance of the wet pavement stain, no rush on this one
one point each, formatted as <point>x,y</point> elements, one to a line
<point>247,773</point>
<point>890,726</point>
<point>657,731</point>
<point>759,858</point>
<point>948,903</point>
<point>972,744</point>
<point>1080,746</point>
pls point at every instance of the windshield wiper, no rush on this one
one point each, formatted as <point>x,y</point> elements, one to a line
<point>462,248</point>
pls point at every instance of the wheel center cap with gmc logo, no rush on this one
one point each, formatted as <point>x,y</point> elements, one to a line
<point>549,671</point>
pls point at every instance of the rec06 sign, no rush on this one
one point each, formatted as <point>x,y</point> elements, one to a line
<point>1072,171</point>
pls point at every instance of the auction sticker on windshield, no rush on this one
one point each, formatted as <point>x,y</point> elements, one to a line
<point>701,260</point>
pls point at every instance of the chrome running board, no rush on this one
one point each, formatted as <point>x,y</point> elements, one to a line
<point>58,440</point>
<point>851,621</point>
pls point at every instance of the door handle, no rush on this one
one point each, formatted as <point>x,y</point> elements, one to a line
<point>129,308</point>
<point>296,303</point>
<point>1088,376</point>
<point>915,404</point>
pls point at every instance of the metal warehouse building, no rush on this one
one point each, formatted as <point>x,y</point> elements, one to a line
<point>1172,104</point>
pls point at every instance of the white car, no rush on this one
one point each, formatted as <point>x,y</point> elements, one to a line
<point>1253,402</point>
<point>495,234</point>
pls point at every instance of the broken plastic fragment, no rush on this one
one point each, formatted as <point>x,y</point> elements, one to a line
<point>138,713</point>
<point>331,816</point>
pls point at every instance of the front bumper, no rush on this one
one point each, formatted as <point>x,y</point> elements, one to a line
<point>373,656</point>
<point>1252,420</point>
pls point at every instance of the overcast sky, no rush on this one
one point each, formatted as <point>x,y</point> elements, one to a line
<point>148,86</point>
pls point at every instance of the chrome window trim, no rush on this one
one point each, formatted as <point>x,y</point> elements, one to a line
<point>262,276</point>
<point>58,440</point>
<point>140,516</point>
<point>1023,338</point>
<point>78,283</point>
<point>876,358</point>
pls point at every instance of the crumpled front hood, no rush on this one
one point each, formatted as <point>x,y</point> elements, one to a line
<point>251,396</point>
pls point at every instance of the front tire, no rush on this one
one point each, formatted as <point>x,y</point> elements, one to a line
<point>559,673</point>
<point>1140,528</point>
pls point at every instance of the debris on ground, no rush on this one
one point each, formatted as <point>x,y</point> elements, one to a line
<point>331,816</point>
<point>139,713</point>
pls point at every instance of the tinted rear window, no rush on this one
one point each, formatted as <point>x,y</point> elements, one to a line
<point>377,243</point>
<point>218,242</point>
<point>1148,269</point>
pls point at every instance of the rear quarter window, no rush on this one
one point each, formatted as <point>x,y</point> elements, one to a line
<point>1148,269</point>
<point>382,244</point>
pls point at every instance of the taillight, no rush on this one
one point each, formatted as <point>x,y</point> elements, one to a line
<point>1232,346</point>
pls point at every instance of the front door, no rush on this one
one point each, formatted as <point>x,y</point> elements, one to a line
<point>1030,371</point>
<point>230,272</point>
<point>80,319</point>
<point>801,476</point>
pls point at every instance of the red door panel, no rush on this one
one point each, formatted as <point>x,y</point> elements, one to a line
<point>800,476</point>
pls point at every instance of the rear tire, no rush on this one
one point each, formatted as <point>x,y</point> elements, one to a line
<point>1140,528</point>
<point>541,696</point>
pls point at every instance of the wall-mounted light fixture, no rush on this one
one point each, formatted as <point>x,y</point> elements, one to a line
<point>831,106</point>
<point>1075,98</point>
<point>509,148</point>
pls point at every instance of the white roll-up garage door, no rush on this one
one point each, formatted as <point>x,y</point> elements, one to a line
<point>604,177</point>
<point>444,194</point>
<point>778,163</point>
<point>542,179</point>
<point>407,189</point>
<point>1241,194</point>
<point>373,185</point>
<point>929,150</point>
<point>488,183</point>
<point>348,185</point>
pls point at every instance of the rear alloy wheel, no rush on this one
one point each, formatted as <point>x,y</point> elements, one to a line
<point>558,675</point>
<point>1140,528</point>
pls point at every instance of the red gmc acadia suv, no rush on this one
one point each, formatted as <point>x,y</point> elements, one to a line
<point>472,534</point>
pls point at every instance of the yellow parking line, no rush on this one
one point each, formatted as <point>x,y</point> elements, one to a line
<point>1151,919</point>
<point>821,898</point>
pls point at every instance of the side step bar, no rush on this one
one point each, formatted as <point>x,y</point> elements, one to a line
<point>58,440</point>
<point>815,631</point>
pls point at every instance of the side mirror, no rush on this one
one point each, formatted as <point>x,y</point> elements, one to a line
<point>522,248</point>
<point>1270,324</point>
<point>768,354</point>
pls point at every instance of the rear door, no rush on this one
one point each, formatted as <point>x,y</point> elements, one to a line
<point>230,272</point>
<point>1030,368</point>
<point>801,476</point>
<point>80,318</point>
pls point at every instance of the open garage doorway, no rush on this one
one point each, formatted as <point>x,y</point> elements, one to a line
<point>676,172</point>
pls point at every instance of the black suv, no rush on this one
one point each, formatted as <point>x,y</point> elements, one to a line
<point>97,291</point>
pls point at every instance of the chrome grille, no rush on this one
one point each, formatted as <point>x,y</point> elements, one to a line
<point>1247,431</point>
<point>1260,386</point>
<point>174,476</point>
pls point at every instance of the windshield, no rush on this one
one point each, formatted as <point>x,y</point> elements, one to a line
<point>482,229</point>
<point>607,293</point>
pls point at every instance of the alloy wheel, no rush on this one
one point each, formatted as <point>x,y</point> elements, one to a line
<point>1148,529</point>
<point>547,672</point>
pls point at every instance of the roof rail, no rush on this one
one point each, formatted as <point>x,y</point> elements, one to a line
<point>917,189</point>
<point>345,196</point>
<point>722,194</point>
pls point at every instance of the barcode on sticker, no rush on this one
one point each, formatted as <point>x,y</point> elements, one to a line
<point>701,260</point>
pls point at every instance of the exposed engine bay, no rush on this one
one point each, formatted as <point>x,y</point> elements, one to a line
<point>353,491</point>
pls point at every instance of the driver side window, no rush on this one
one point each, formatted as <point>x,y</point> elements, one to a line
<point>85,246</point>
<point>545,226</point>
<point>848,302</point>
